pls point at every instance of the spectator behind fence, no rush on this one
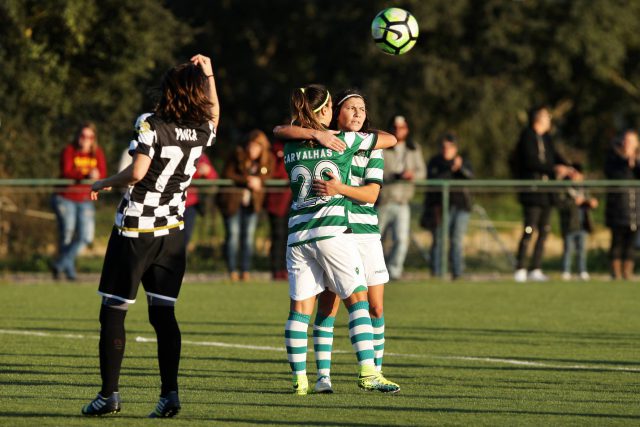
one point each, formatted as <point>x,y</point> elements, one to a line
<point>576,223</point>
<point>75,212</point>
<point>536,158</point>
<point>403,165</point>
<point>248,166</point>
<point>448,164</point>
<point>278,201</point>
<point>623,204</point>
<point>193,205</point>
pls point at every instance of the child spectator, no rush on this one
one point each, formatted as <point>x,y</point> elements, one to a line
<point>576,223</point>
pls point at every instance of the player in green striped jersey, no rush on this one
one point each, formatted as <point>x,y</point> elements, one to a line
<point>321,248</point>
<point>350,114</point>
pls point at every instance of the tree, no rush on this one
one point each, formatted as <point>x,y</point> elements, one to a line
<point>67,61</point>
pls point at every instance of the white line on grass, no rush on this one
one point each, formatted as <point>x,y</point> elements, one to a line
<point>515,362</point>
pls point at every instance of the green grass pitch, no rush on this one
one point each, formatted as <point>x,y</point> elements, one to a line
<point>485,353</point>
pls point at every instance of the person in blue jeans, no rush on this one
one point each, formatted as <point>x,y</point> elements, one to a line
<point>575,223</point>
<point>403,165</point>
<point>248,167</point>
<point>75,212</point>
<point>448,164</point>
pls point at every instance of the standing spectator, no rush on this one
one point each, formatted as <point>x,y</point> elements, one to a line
<point>75,212</point>
<point>536,158</point>
<point>277,205</point>
<point>623,204</point>
<point>248,166</point>
<point>204,169</point>
<point>449,164</point>
<point>403,165</point>
<point>575,223</point>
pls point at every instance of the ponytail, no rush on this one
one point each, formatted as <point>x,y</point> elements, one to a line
<point>305,103</point>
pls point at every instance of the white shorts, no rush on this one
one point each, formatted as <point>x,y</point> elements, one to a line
<point>372,254</point>
<point>332,264</point>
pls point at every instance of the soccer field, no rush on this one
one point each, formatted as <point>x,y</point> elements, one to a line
<point>464,354</point>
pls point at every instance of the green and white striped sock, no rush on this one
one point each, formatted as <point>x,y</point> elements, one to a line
<point>361,333</point>
<point>295,339</point>
<point>323,343</point>
<point>378,340</point>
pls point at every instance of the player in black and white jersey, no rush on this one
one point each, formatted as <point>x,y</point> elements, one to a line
<point>147,241</point>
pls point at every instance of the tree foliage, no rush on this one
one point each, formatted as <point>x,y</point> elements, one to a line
<point>67,61</point>
<point>476,69</point>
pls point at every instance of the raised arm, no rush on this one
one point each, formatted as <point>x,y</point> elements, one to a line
<point>205,63</point>
<point>326,138</point>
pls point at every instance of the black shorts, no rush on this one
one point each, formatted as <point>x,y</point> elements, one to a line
<point>158,262</point>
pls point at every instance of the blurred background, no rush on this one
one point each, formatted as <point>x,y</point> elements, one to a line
<point>476,69</point>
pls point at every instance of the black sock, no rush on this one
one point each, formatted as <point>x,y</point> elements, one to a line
<point>111,347</point>
<point>164,322</point>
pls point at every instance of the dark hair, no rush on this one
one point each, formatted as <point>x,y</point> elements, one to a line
<point>339,102</point>
<point>619,139</point>
<point>391,127</point>
<point>392,121</point>
<point>449,137</point>
<point>534,113</point>
<point>184,95</point>
<point>83,126</point>
<point>304,102</point>
<point>259,137</point>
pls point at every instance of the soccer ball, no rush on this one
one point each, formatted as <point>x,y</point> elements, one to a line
<point>395,31</point>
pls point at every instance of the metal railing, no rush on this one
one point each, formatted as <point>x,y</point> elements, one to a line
<point>443,186</point>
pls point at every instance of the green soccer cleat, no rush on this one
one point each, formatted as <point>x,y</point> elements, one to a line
<point>371,380</point>
<point>300,384</point>
<point>103,406</point>
<point>167,406</point>
<point>323,385</point>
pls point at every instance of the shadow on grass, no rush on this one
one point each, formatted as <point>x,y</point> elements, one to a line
<point>449,410</point>
<point>8,414</point>
<point>518,368</point>
<point>576,361</point>
<point>278,360</point>
<point>297,423</point>
<point>530,332</point>
<point>279,325</point>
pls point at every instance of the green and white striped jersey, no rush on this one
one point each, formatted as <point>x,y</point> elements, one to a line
<point>367,166</point>
<point>313,217</point>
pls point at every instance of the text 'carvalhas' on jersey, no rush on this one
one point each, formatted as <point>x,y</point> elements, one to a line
<point>314,217</point>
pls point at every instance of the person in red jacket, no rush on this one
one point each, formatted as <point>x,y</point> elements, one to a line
<point>277,205</point>
<point>75,212</point>
<point>204,169</point>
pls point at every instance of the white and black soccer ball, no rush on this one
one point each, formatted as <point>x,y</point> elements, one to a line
<point>395,31</point>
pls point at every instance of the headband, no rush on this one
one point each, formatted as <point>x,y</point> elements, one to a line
<point>347,97</point>
<point>323,104</point>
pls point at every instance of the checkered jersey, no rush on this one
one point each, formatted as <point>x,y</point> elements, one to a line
<point>314,217</point>
<point>367,166</point>
<point>155,204</point>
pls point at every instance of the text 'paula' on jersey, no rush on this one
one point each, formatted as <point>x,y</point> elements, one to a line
<point>155,204</point>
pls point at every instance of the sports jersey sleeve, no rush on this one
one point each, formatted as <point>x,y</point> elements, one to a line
<point>144,140</point>
<point>212,135</point>
<point>358,140</point>
<point>375,168</point>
